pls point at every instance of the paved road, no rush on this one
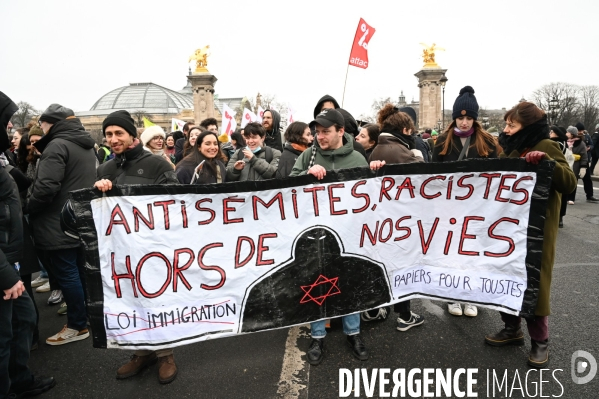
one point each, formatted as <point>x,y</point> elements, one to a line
<point>269,364</point>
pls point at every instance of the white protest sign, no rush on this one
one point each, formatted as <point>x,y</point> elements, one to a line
<point>183,268</point>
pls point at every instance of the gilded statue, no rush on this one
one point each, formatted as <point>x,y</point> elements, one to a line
<point>428,55</point>
<point>201,58</point>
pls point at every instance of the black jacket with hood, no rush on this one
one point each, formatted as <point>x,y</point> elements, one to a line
<point>68,163</point>
<point>273,137</point>
<point>287,161</point>
<point>11,227</point>
<point>137,166</point>
<point>324,99</point>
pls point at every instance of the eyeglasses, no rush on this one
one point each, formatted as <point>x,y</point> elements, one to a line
<point>158,138</point>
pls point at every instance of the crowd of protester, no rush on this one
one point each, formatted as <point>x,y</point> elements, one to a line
<point>48,159</point>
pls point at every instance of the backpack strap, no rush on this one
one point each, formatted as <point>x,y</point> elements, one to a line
<point>268,154</point>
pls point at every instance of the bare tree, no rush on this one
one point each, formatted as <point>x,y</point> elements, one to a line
<point>24,115</point>
<point>268,100</point>
<point>588,105</point>
<point>375,107</point>
<point>567,102</point>
<point>139,116</point>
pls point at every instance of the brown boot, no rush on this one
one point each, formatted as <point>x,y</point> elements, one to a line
<point>135,365</point>
<point>539,354</point>
<point>167,370</point>
<point>510,335</point>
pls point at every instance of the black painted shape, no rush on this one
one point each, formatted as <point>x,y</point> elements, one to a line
<point>278,299</point>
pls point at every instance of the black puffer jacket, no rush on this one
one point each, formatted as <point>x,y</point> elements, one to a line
<point>287,161</point>
<point>68,163</point>
<point>11,230</point>
<point>137,166</point>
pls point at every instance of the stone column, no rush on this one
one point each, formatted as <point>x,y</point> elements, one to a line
<point>203,95</point>
<point>430,97</point>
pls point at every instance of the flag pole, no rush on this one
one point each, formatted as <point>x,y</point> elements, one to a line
<point>348,63</point>
<point>344,85</point>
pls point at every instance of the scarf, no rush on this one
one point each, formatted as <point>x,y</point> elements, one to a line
<point>299,147</point>
<point>404,138</point>
<point>526,138</point>
<point>460,133</point>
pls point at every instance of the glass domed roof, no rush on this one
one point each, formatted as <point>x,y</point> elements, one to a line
<point>148,97</point>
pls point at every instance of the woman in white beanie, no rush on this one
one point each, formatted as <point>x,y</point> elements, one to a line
<point>153,140</point>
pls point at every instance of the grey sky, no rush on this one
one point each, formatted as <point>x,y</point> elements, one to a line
<point>73,52</point>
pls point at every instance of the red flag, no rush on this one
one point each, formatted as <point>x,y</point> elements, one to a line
<point>359,51</point>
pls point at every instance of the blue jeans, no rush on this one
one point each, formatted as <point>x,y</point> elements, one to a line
<point>351,326</point>
<point>67,267</point>
<point>17,321</point>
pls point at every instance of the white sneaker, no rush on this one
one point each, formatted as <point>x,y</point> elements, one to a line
<point>39,281</point>
<point>67,335</point>
<point>454,308</point>
<point>43,288</point>
<point>570,202</point>
<point>55,297</point>
<point>470,310</point>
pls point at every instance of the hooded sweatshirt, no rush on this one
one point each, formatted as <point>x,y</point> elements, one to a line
<point>324,99</point>
<point>273,137</point>
<point>343,157</point>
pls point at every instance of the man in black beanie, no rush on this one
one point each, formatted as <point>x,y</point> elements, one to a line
<point>134,165</point>
<point>131,164</point>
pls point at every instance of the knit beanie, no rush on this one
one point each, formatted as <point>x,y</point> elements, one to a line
<point>55,113</point>
<point>122,119</point>
<point>579,126</point>
<point>434,133</point>
<point>465,104</point>
<point>36,131</point>
<point>150,133</point>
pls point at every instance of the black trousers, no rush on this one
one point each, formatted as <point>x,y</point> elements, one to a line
<point>588,184</point>
<point>17,321</point>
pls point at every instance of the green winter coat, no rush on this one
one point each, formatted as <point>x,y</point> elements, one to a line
<point>564,182</point>
<point>342,158</point>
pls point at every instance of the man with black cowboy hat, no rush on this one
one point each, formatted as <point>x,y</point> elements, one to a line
<point>332,148</point>
<point>134,165</point>
<point>68,163</point>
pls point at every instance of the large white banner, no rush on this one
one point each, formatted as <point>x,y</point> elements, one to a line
<point>183,268</point>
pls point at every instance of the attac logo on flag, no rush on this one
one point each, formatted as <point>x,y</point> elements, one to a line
<point>359,51</point>
<point>228,124</point>
<point>248,116</point>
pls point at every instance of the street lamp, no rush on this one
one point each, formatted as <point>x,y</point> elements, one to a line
<point>486,122</point>
<point>553,106</point>
<point>439,125</point>
<point>442,82</point>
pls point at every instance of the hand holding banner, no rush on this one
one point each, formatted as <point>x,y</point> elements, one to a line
<point>359,51</point>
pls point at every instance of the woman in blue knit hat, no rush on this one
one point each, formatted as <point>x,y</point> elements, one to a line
<point>464,138</point>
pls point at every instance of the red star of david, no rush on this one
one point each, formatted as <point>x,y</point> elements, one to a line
<point>333,289</point>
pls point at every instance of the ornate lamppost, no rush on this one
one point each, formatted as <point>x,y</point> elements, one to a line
<point>443,81</point>
<point>553,106</point>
